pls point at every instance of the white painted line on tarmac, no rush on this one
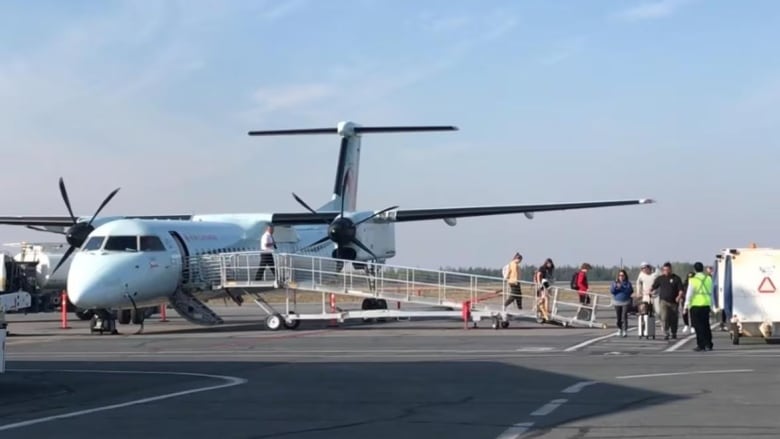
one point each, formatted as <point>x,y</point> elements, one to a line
<point>549,407</point>
<point>680,343</point>
<point>515,431</point>
<point>521,428</point>
<point>577,387</point>
<point>229,382</point>
<point>593,340</point>
<point>693,372</point>
<point>535,349</point>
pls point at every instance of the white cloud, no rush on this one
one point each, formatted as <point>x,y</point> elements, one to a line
<point>651,10</point>
<point>290,96</point>
<point>345,88</point>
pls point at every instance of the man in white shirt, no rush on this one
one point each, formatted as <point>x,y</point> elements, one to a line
<point>644,286</point>
<point>267,246</point>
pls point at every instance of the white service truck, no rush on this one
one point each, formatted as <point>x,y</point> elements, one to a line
<point>14,301</point>
<point>745,283</point>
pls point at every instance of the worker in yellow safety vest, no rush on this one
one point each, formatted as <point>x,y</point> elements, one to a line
<point>698,301</point>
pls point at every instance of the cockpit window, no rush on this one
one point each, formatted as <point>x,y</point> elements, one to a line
<point>94,243</point>
<point>151,244</point>
<point>122,243</point>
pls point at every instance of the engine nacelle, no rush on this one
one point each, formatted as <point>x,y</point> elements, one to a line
<point>379,236</point>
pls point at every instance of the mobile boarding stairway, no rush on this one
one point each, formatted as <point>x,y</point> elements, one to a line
<point>429,293</point>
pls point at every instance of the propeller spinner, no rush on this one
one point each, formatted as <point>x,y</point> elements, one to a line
<point>79,231</point>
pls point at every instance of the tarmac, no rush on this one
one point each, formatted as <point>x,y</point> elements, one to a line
<point>413,379</point>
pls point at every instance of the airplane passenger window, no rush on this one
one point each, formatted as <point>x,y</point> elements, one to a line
<point>122,243</point>
<point>151,244</point>
<point>94,243</point>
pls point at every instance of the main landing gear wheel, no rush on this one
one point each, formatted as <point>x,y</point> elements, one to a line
<point>504,324</point>
<point>292,323</point>
<point>274,322</point>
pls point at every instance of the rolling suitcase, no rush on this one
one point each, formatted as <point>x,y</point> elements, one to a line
<point>646,321</point>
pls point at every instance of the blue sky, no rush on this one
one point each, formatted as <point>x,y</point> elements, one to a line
<point>555,101</point>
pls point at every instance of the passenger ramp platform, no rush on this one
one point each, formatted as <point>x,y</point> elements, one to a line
<point>432,293</point>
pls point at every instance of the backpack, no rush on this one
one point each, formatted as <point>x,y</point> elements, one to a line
<point>505,271</point>
<point>574,278</point>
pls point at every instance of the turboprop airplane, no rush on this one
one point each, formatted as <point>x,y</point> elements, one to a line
<point>128,262</point>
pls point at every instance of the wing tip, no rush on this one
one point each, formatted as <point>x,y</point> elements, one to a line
<point>647,201</point>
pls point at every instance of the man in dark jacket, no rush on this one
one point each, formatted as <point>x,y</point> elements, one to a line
<point>669,288</point>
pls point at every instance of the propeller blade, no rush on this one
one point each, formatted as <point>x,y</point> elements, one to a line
<point>108,198</point>
<point>41,229</point>
<point>363,246</point>
<point>315,243</point>
<point>64,258</point>
<point>375,215</point>
<point>66,199</point>
<point>302,203</point>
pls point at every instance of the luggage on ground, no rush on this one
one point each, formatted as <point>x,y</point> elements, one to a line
<point>646,321</point>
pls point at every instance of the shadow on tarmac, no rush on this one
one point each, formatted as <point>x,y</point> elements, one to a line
<point>450,399</point>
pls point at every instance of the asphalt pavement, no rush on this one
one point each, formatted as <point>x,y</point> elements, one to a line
<point>416,379</point>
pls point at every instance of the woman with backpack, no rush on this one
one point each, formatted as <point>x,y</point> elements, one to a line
<point>621,290</point>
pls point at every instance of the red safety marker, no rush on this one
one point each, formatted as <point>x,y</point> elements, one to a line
<point>64,310</point>
<point>466,313</point>
<point>333,322</point>
<point>163,315</point>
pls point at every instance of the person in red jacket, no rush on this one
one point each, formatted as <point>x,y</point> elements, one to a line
<point>582,284</point>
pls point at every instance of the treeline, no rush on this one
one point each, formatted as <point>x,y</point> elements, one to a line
<point>564,273</point>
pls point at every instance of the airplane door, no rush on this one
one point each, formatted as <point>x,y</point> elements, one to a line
<point>185,256</point>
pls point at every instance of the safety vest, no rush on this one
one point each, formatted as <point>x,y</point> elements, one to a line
<point>702,288</point>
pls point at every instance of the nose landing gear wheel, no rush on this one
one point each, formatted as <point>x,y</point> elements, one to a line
<point>274,322</point>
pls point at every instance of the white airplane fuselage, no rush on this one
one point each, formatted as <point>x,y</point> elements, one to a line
<point>144,259</point>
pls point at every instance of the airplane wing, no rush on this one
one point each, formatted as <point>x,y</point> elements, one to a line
<point>463,212</point>
<point>66,221</point>
<point>55,221</point>
<point>403,215</point>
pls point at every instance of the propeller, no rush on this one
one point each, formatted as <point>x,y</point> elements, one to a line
<point>342,230</point>
<point>79,231</point>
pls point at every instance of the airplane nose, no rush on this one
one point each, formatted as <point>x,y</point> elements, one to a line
<point>90,284</point>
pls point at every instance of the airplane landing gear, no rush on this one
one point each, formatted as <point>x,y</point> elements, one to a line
<point>103,321</point>
<point>84,314</point>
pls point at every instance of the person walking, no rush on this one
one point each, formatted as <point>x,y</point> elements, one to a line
<point>267,247</point>
<point>685,314</point>
<point>643,293</point>
<point>670,293</point>
<point>580,283</point>
<point>698,302</point>
<point>621,290</point>
<point>512,278</point>
<point>543,278</point>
